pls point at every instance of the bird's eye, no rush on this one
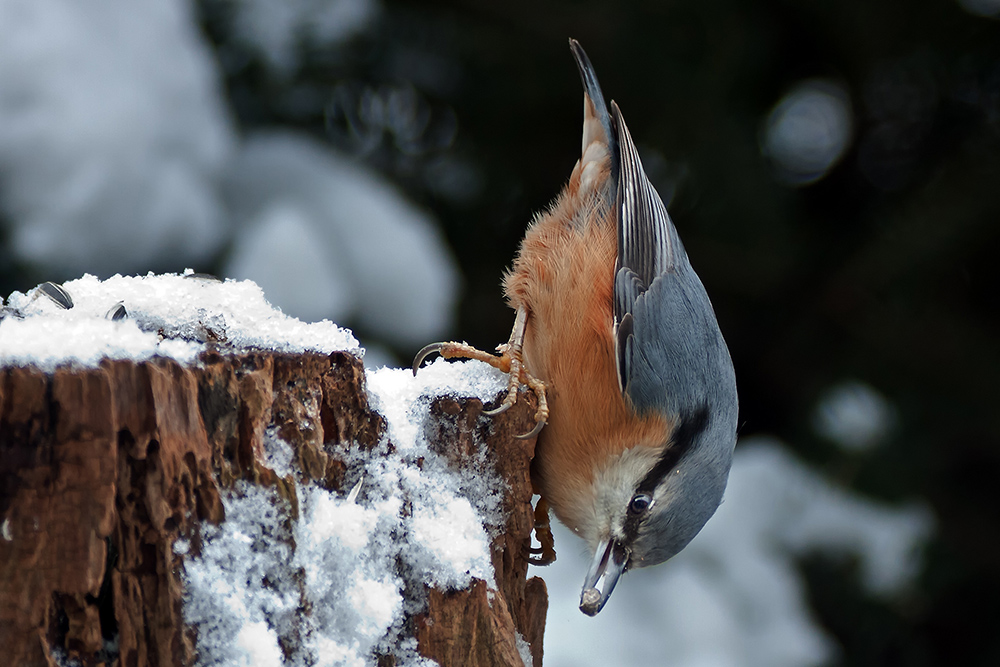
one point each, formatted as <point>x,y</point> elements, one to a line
<point>640,503</point>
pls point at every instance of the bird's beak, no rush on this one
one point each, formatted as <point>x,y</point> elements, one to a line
<point>610,561</point>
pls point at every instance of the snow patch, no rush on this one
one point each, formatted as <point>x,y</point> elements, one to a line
<point>360,558</point>
<point>170,315</point>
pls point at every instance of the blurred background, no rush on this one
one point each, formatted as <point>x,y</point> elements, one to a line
<point>833,169</point>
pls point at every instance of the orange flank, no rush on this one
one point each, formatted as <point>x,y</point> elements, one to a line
<point>563,277</point>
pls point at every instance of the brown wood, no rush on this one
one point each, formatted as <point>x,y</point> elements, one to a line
<point>102,470</point>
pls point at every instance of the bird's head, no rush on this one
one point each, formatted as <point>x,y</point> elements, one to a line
<point>647,503</point>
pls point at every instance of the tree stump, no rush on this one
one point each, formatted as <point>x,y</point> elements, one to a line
<point>103,470</point>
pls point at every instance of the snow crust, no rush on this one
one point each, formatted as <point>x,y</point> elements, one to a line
<point>358,556</point>
<point>170,315</point>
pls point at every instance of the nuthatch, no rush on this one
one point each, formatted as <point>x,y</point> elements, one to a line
<point>615,334</point>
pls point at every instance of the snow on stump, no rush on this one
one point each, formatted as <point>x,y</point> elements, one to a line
<point>187,476</point>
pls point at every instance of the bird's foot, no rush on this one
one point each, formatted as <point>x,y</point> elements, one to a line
<point>518,375</point>
<point>545,553</point>
<point>508,361</point>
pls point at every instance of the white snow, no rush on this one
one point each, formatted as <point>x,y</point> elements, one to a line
<point>242,593</point>
<point>113,133</point>
<point>168,315</point>
<point>401,397</point>
<point>410,522</point>
<point>348,556</point>
<point>449,531</point>
<point>278,454</point>
<point>524,649</point>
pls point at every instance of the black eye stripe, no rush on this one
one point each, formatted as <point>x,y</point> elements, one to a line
<point>688,429</point>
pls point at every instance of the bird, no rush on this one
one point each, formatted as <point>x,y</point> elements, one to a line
<point>614,332</point>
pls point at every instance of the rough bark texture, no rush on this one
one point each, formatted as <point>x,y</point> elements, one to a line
<point>466,627</point>
<point>102,470</point>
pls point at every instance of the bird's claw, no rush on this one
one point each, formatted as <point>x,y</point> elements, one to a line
<point>518,376</point>
<point>539,425</point>
<point>536,385</point>
<point>545,553</point>
<point>542,414</point>
<point>503,407</point>
<point>425,352</point>
<point>509,361</point>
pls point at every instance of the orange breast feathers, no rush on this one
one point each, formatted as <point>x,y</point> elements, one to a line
<point>563,275</point>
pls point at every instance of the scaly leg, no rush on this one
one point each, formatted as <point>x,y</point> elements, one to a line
<point>509,362</point>
<point>546,551</point>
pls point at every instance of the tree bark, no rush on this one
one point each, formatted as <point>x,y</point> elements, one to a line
<point>102,470</point>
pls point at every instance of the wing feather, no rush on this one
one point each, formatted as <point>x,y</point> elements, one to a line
<point>671,355</point>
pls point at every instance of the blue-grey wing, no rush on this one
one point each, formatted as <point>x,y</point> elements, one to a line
<point>676,360</point>
<point>671,356</point>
